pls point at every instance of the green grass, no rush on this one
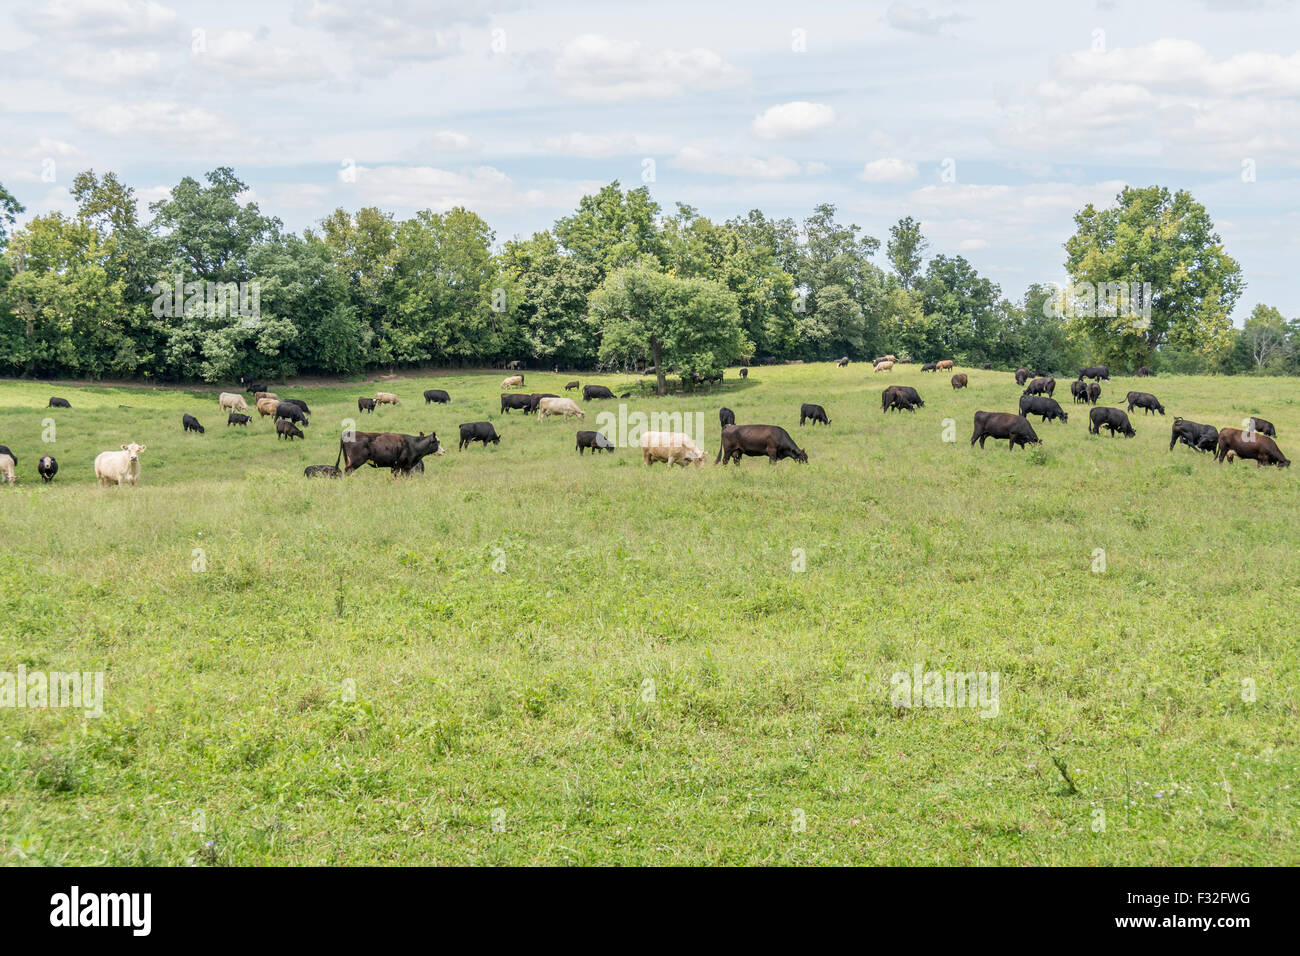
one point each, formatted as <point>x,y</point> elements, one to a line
<point>648,680</point>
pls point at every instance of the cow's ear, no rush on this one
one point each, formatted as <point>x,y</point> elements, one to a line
<point>143,447</point>
<point>123,448</point>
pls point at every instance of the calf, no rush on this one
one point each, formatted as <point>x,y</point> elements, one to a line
<point>900,397</point>
<point>1262,426</point>
<point>744,373</point>
<point>285,428</point>
<point>959,381</point>
<point>47,468</point>
<point>477,431</point>
<point>436,395</point>
<point>571,386</point>
<point>1242,444</point>
<point>673,448</point>
<point>1094,393</point>
<point>59,403</point>
<point>1079,389</point>
<point>119,467</point>
<point>191,424</point>
<point>1145,401</point>
<point>366,405</point>
<point>770,440</point>
<point>237,419</point>
<point>1047,408</point>
<point>595,391</point>
<point>595,441</point>
<point>322,471</point>
<point>928,367</point>
<point>511,400</point>
<point>1193,434</point>
<point>1041,386</point>
<point>726,416</point>
<point>1112,418</point>
<point>1015,428</point>
<point>814,413</point>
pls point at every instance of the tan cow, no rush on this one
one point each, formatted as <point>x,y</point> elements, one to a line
<point>267,406</point>
<point>945,364</point>
<point>119,467</point>
<point>512,381</point>
<point>675,448</point>
<point>884,366</point>
<point>558,406</point>
<point>233,402</point>
<point>386,398</point>
<point>6,469</point>
<point>891,358</point>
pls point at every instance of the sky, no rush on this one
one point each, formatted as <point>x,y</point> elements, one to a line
<point>990,122</point>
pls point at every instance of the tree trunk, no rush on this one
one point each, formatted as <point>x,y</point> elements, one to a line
<point>657,350</point>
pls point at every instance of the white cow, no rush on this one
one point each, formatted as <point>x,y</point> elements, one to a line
<point>558,406</point>
<point>119,467</point>
<point>236,403</point>
<point>675,448</point>
<point>6,469</point>
<point>512,381</point>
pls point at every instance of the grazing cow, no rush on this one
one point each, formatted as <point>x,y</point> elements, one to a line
<point>674,448</point>
<point>300,403</point>
<point>234,418</point>
<point>1113,418</point>
<point>232,401</point>
<point>744,373</point>
<point>1015,428</point>
<point>1145,401</point>
<point>284,428</point>
<point>884,366</point>
<point>1079,389</point>
<point>726,416</point>
<point>595,441</point>
<point>558,406</point>
<point>1144,371</point>
<point>254,389</point>
<point>1193,434</point>
<point>840,363</point>
<point>4,450</point>
<point>1022,376</point>
<point>1242,444</point>
<point>958,381</point>
<point>943,366</point>
<point>267,406</point>
<point>47,468</point>
<point>900,397</point>
<point>401,453</point>
<point>292,412</point>
<point>511,400</point>
<point>386,398</point>
<point>1048,408</point>
<point>191,424</point>
<point>436,395</point>
<point>258,396</point>
<point>1041,386</point>
<point>1095,372</point>
<point>119,467</point>
<point>1094,392</point>
<point>6,469</point>
<point>322,471</point>
<point>770,440</point>
<point>477,431</point>
<point>986,366</point>
<point>513,381</point>
<point>572,385</point>
<point>815,413</point>
<point>595,391</point>
<point>59,403</point>
<point>1262,426</point>
<point>366,405</point>
<point>929,367</point>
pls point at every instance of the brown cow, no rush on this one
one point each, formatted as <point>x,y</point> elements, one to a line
<point>944,365</point>
<point>884,366</point>
<point>959,381</point>
<point>267,406</point>
<point>401,453</point>
<point>1238,443</point>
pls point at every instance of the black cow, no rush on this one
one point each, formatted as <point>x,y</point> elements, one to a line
<point>1112,418</point>
<point>1193,434</point>
<point>366,405</point>
<point>744,373</point>
<point>814,413</point>
<point>237,419</point>
<point>1079,389</point>
<point>1095,372</point>
<point>1022,376</point>
<point>900,397</point>
<point>986,366</point>
<point>47,468</point>
<point>1041,386</point>
<point>322,471</point>
<point>401,453</point>
<point>840,363</point>
<point>59,403</point>
<point>770,440</point>
<point>595,391</point>
<point>436,395</point>
<point>1094,392</point>
<point>930,367</point>
<point>726,416</point>
<point>254,389</point>
<point>1145,401</point>
<point>285,428</point>
<point>191,424</point>
<point>511,400</point>
<point>292,412</point>
<point>1015,428</point>
<point>595,441</point>
<point>1048,408</point>
<point>477,431</point>
<point>1263,427</point>
<point>300,403</point>
<point>1144,371</point>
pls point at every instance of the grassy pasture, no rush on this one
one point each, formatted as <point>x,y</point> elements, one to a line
<point>563,660</point>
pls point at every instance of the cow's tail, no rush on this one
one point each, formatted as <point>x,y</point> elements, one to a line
<point>340,457</point>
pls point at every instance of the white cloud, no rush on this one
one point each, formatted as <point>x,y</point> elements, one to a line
<point>793,119</point>
<point>915,19</point>
<point>110,66</point>
<point>700,160</point>
<point>1185,66</point>
<point>483,189</point>
<point>250,56</point>
<point>594,67</point>
<point>387,34</point>
<point>156,118</point>
<point>888,171</point>
<point>448,141</point>
<point>605,145</point>
<point>119,22</point>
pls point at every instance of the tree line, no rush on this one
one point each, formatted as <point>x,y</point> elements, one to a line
<point>209,288</point>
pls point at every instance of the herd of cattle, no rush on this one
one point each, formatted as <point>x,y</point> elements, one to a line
<point>405,454</point>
